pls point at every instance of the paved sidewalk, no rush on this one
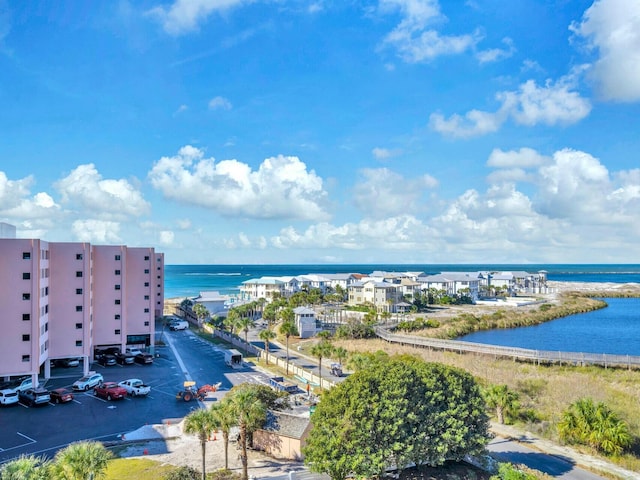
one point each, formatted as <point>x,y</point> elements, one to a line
<point>545,446</point>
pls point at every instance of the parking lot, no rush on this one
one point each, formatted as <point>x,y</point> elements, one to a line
<point>42,430</point>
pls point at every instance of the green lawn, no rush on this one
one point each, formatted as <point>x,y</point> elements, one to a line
<point>136,469</point>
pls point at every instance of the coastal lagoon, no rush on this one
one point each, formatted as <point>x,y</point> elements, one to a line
<point>613,330</point>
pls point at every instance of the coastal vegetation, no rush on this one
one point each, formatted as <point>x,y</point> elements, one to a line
<point>468,322</point>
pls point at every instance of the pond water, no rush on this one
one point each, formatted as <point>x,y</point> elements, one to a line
<point>613,330</point>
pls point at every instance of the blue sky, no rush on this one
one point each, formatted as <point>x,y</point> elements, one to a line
<point>290,131</point>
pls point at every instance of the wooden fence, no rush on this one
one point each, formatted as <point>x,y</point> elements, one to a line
<point>523,354</point>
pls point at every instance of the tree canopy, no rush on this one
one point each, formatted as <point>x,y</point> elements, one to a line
<point>407,412</point>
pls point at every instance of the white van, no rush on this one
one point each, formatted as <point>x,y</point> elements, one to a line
<point>179,325</point>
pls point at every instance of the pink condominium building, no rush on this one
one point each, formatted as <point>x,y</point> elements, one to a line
<point>62,300</point>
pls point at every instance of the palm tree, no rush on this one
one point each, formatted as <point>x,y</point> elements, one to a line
<point>594,424</point>
<point>250,414</point>
<point>340,353</point>
<point>267,335</point>
<point>200,312</point>
<point>81,461</point>
<point>225,419</point>
<point>25,467</point>
<point>244,324</point>
<point>287,329</point>
<point>322,349</point>
<point>201,422</point>
<point>232,319</point>
<point>503,400</point>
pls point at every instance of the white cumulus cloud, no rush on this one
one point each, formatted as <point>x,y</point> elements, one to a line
<point>220,103</point>
<point>184,16</point>
<point>96,231</point>
<point>381,192</point>
<point>84,189</point>
<point>554,103</point>
<point>612,28</point>
<point>280,188</point>
<point>413,38</point>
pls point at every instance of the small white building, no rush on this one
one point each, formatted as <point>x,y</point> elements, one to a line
<point>213,301</point>
<point>305,320</point>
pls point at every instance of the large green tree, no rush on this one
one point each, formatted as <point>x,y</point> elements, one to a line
<point>406,412</point>
<point>201,422</point>
<point>81,461</point>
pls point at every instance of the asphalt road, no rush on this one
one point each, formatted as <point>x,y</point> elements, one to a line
<point>556,466</point>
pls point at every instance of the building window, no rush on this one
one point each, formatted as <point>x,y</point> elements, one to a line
<point>146,270</point>
<point>117,287</point>
<point>26,337</point>
<point>26,276</point>
<point>78,343</point>
<point>146,297</point>
<point>118,258</point>
<point>78,256</point>
<point>146,284</point>
<point>46,291</point>
<point>146,310</point>
<point>146,257</point>
<point>117,301</point>
<point>146,324</point>
<point>26,316</point>
<point>26,358</point>
<point>117,272</point>
<point>26,255</point>
<point>78,308</point>
<point>117,316</point>
<point>26,296</point>
<point>46,327</point>
<point>78,274</point>
<point>117,332</point>
<point>78,326</point>
<point>78,291</point>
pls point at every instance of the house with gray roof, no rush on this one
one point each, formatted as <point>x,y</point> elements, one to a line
<point>283,435</point>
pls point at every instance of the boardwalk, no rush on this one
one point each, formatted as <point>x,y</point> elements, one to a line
<point>523,354</point>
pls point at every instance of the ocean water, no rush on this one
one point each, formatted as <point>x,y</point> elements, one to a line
<point>190,280</point>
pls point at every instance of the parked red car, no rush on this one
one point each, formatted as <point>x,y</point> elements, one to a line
<point>61,395</point>
<point>110,391</point>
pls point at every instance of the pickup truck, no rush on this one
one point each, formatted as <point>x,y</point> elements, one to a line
<point>135,387</point>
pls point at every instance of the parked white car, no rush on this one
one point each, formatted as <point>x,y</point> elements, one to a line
<point>88,382</point>
<point>179,325</point>
<point>135,387</point>
<point>18,385</point>
<point>8,397</point>
<point>134,351</point>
